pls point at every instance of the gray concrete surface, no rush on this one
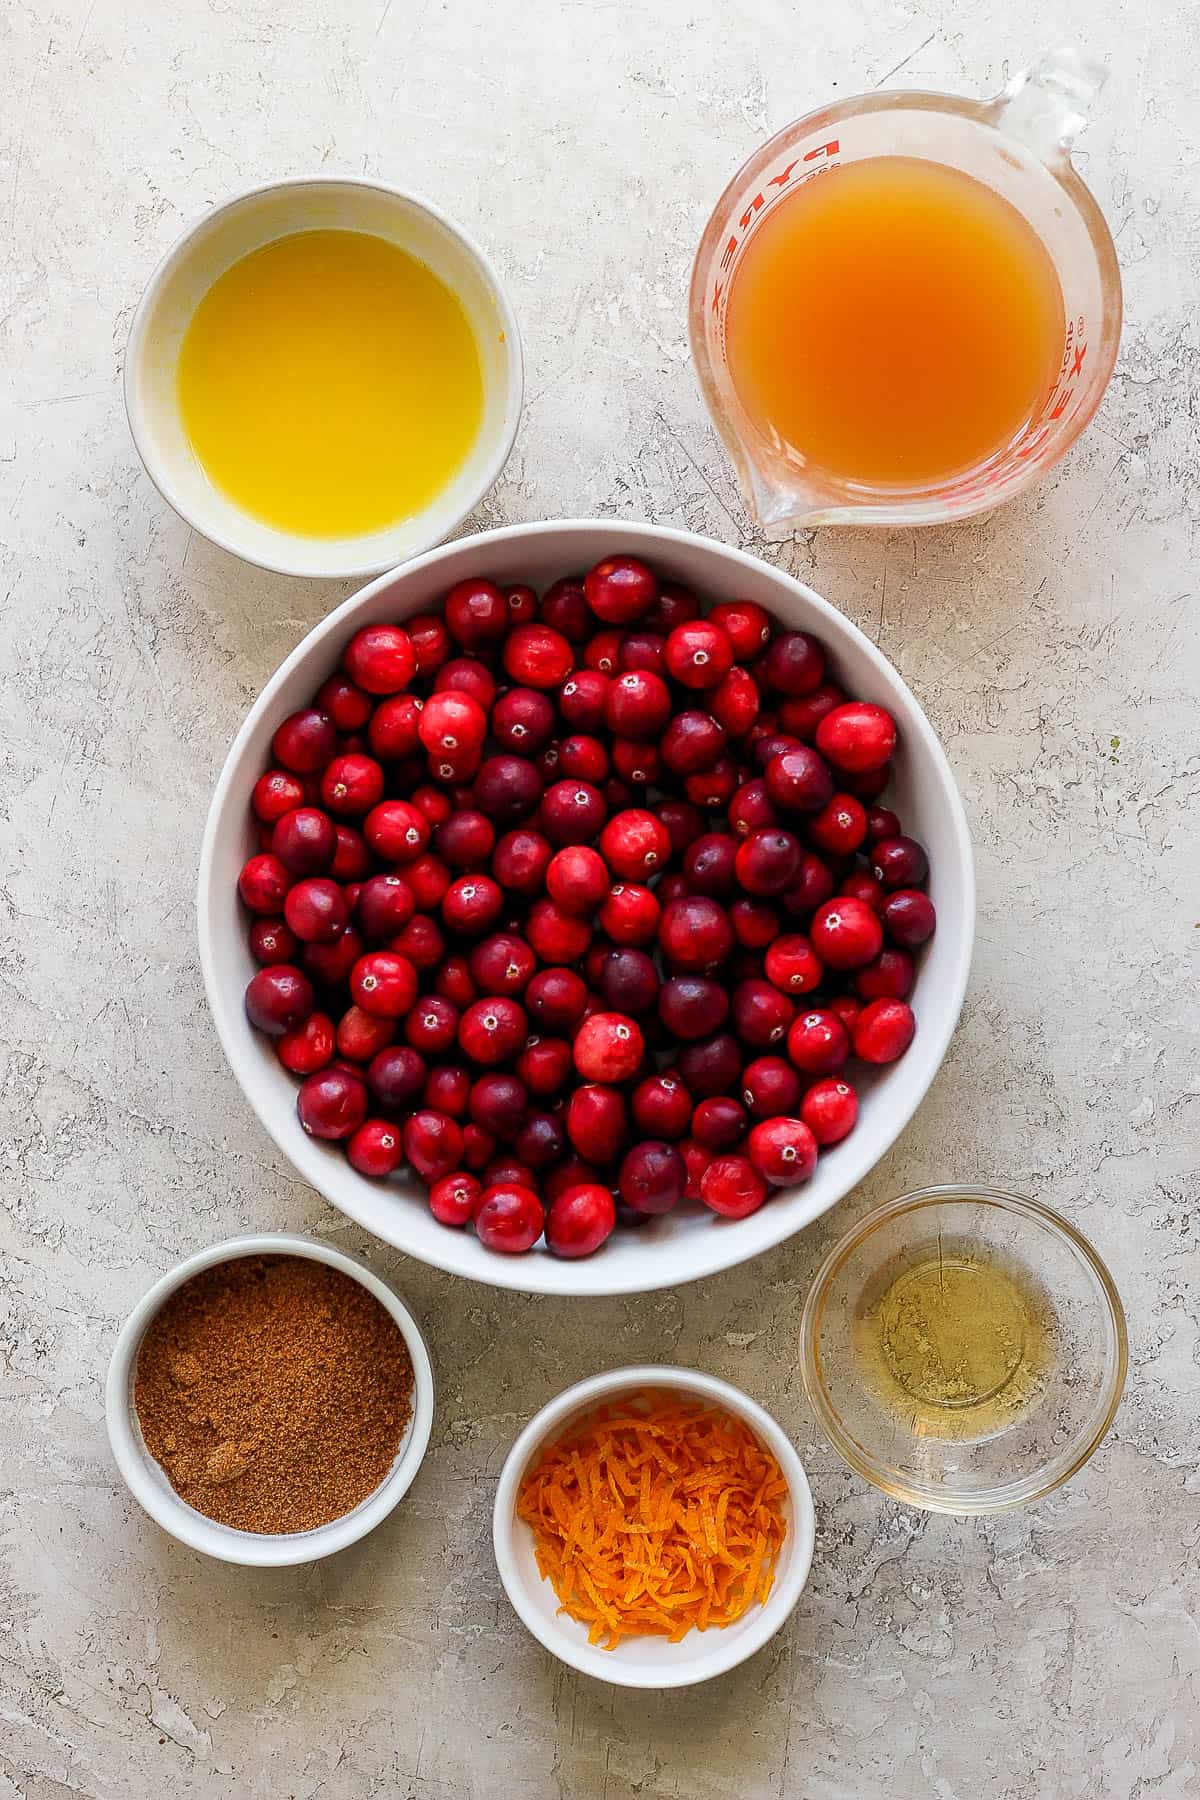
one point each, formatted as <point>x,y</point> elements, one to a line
<point>1049,1653</point>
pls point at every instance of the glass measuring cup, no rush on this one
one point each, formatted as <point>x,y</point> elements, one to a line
<point>1019,145</point>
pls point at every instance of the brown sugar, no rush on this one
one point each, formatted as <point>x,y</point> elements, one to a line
<point>274,1391</point>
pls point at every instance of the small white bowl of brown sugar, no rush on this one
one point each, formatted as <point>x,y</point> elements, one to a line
<point>269,1400</point>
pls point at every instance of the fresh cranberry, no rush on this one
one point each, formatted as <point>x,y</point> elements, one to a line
<point>802,714</point>
<point>661,1106</point>
<point>431,1026</point>
<point>492,1030</point>
<point>545,1066</point>
<point>520,860</point>
<point>635,844</point>
<point>556,998</point>
<point>608,1047</point>
<point>316,910</point>
<point>640,764</point>
<point>352,785</point>
<point>522,721</point>
<point>846,1007</point>
<point>583,699</point>
<point>861,886</point>
<point>305,741</point>
<point>577,879</point>
<point>276,793</point>
<point>684,822</point>
<point>897,862</point>
<point>846,933</point>
<point>794,664</point>
<point>710,865</point>
<point>735,703</point>
<point>332,1103</point>
<point>641,650</point>
<point>692,742</point>
<point>426,880</point>
<point>770,1086</point>
<point>883,1031</point>
<point>376,1149</point>
<point>554,935</point>
<point>384,984</point>
<point>430,641</point>
<point>652,1177</point>
<point>433,1144</point>
<point>509,1218</point>
<point>453,1199</point>
<point>733,1187</point>
<point>755,924</point>
<point>719,1122</point>
<point>793,965</point>
<point>564,606</point>
<point>479,1147</point>
<point>271,941</point>
<point>385,906</point>
<point>768,861</point>
<point>348,705</point>
<point>499,1103</point>
<point>751,809</point>
<point>502,964</point>
<point>453,982</point>
<point>352,860</point>
<point>784,1151</point>
<point>714,788</point>
<point>263,884</point>
<point>620,589</point>
<point>465,840</point>
<point>675,606</point>
<point>467,675</point>
<point>305,841</point>
<point>602,652</point>
<point>308,1047</point>
<point>699,654</point>
<point>761,1013</point>
<point>332,963</point>
<point>452,725</point>
<point>908,917</point>
<point>580,1220</point>
<point>889,977</point>
<point>628,980</point>
<point>508,1171</point>
<point>747,625</point>
<point>472,905</point>
<point>813,884</point>
<point>395,726</point>
<point>696,1159</point>
<point>637,705</point>
<point>507,789</point>
<point>713,1066</point>
<point>541,1141</point>
<point>695,934</point>
<point>537,656</point>
<point>857,736</point>
<point>799,780</point>
<point>396,1077</point>
<point>882,823</point>
<point>548,765</point>
<point>596,1122</point>
<point>396,831</point>
<point>830,1109</point>
<point>819,1043</point>
<point>476,613</point>
<point>766,746</point>
<point>522,604</point>
<point>840,826</point>
<point>448,1090</point>
<point>631,914</point>
<point>279,999</point>
<point>361,1035</point>
<point>421,942</point>
<point>381,659</point>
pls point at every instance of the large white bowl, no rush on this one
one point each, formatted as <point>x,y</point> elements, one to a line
<point>689,1243</point>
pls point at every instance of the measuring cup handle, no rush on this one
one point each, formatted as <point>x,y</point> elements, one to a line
<point>1046,105</point>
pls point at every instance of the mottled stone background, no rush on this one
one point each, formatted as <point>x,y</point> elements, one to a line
<point>1050,1653</point>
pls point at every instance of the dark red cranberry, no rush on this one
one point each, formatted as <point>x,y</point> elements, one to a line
<point>476,613</point>
<point>755,924</point>
<point>631,914</point>
<point>766,747</point>
<point>840,826</point>
<point>523,721</point>
<point>608,1047</point>
<point>733,1187</point>
<point>620,589</point>
<point>696,1160</point>
<point>421,942</point>
<point>431,1026</point>
<point>263,884</point>
<point>637,705</point>
<point>465,840</point>
<point>273,942</point>
<point>507,789</point>
<point>545,1066</point>
<point>847,1008</point>
<point>541,1141</point>
<point>652,1177</point>
<point>819,1043</point>
<point>881,823</point>
<point>332,963</point>
<point>305,741</point>
<point>596,1122</point>
<point>276,793</point>
<point>472,905</point>
<point>628,980</point>
<point>803,714</point>
<point>908,917</point>
<point>572,812</point>
<point>309,1047</point>
<point>305,841</point>
<point>508,1171</point>
<point>784,1151</point>
<point>332,1103</point>
<point>864,887</point>
<point>714,788</point>
<point>898,862</point>
<point>883,1031</point>
<point>846,933</point>
<point>813,884</point>
<point>381,659</point>
<point>889,977</point>
<point>279,999</point>
<point>448,1090</point>
<point>603,652</point>
<point>520,860</point>
<point>522,604</point>
<point>695,934</point>
<point>713,1066</point>
<point>638,763</point>
<point>394,729</point>
<point>580,1220</point>
<point>385,906</point>
<point>479,1147</point>
<point>492,1030</point>
<point>675,606</point>
<point>751,809</point>
<point>770,1086</point>
<point>761,1014</point>
<point>467,675</point>
<point>794,664</point>
<point>430,641</point>
<point>316,910</point>
<point>709,864</point>
<point>857,736</point>
<point>453,1199</point>
<point>453,981</point>
<point>499,1103</point>
<point>662,1106</point>
<point>509,1218</point>
<point>830,1109</point>
<point>554,935</point>
<point>433,1144</point>
<point>582,699</point>
<point>799,780</point>
<point>768,861</point>
<point>502,964</point>
<point>684,822</point>
<point>565,607</point>
<point>719,1122</point>
<point>699,654</point>
<point>641,650</point>
<point>577,879</point>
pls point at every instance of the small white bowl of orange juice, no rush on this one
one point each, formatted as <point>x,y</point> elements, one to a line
<point>324,376</point>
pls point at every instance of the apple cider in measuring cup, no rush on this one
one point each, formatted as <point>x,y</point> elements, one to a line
<point>894,322</point>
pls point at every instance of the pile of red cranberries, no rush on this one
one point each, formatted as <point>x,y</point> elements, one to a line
<point>581,906</point>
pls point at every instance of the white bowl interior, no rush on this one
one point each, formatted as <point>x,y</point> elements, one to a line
<point>649,1661</point>
<point>147,1479</point>
<point>233,231</point>
<point>689,1242</point>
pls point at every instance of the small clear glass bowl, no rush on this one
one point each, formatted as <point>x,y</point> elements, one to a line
<point>1046,1421</point>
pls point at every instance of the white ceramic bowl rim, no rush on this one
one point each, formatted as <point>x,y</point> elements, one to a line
<point>155,1494</point>
<point>728,1243</point>
<point>178,251</point>
<point>718,1650</point>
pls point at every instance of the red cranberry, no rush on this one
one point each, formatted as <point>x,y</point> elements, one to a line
<point>352,785</point>
<point>830,1109</point>
<point>476,613</point>
<point>889,977</point>
<point>714,788</point>
<point>545,1066</point>
<point>453,982</point>
<point>735,703</point>
<point>695,934</point>
<point>770,1086</point>
<point>799,780</point>
<point>761,1014</point>
<point>276,793</point>
<point>332,963</point>
<point>479,1147</point>
<point>554,935</point>
<point>396,1077</point>
<point>580,1220</point>
<point>635,844</point>
<point>537,656</point>
<point>396,831</point>
<point>394,729</point>
<point>305,741</point>
<point>755,924</point>
<point>847,1008</point>
<point>846,933</point>
<point>308,1047</point>
<point>710,865</point>
<point>857,736</point>
<point>509,1218</point>
<point>381,659</point>
<point>541,1141</point>
<point>696,1159</point>
<point>316,911</point>
<point>508,1171</point>
<point>507,789</point>
<point>577,879</point>
<point>652,1178</point>
<point>883,1031</point>
<point>692,743</point>
<point>472,905</point>
<point>628,980</point>
<point>747,625</point>
<point>620,589</point>
<point>548,765</point>
<point>861,886</point>
<point>793,965</point>
<point>272,942</point>
<point>572,812</point>
<point>784,1151</point>
<point>794,664</point>
<point>502,964</point>
<point>882,823</point>
<point>897,862</point>
<point>332,1103</point>
<point>733,1187</point>
<point>719,1122</point>
<point>522,721</point>
<point>713,1066</point>
<point>467,675</point>
<point>430,641</point>
<point>452,725</point>
<point>384,984</point>
<point>385,906</point>
<point>596,1122</point>
<point>492,1030</point>
<point>819,1043</point>
<point>908,917</point>
<point>522,604</point>
<point>840,826</point>
<point>432,1025</point>
<point>279,999</point>
<point>662,1106</point>
<point>564,606</point>
<point>263,884</point>
<point>421,942</point>
<point>499,1103</point>
<point>751,809</point>
<point>768,861</point>
<point>684,822</point>
<point>803,714</point>
<point>453,1199</point>
<point>608,1047</point>
<point>347,704</point>
<point>637,705</point>
<point>699,654</point>
<point>448,1090</point>
<point>631,914</point>
<point>433,1144</point>
<point>813,884</point>
<point>582,699</point>
<point>636,762</point>
<point>520,860</point>
<point>603,652</point>
<point>556,998</point>
<point>305,841</point>
<point>641,650</point>
<point>352,860</point>
<point>675,606</point>
<point>465,840</point>
<point>360,1035</point>
<point>375,1149</point>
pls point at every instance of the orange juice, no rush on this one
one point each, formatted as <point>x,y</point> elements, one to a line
<point>894,322</point>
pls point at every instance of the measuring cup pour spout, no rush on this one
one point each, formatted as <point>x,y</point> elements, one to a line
<point>1047,105</point>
